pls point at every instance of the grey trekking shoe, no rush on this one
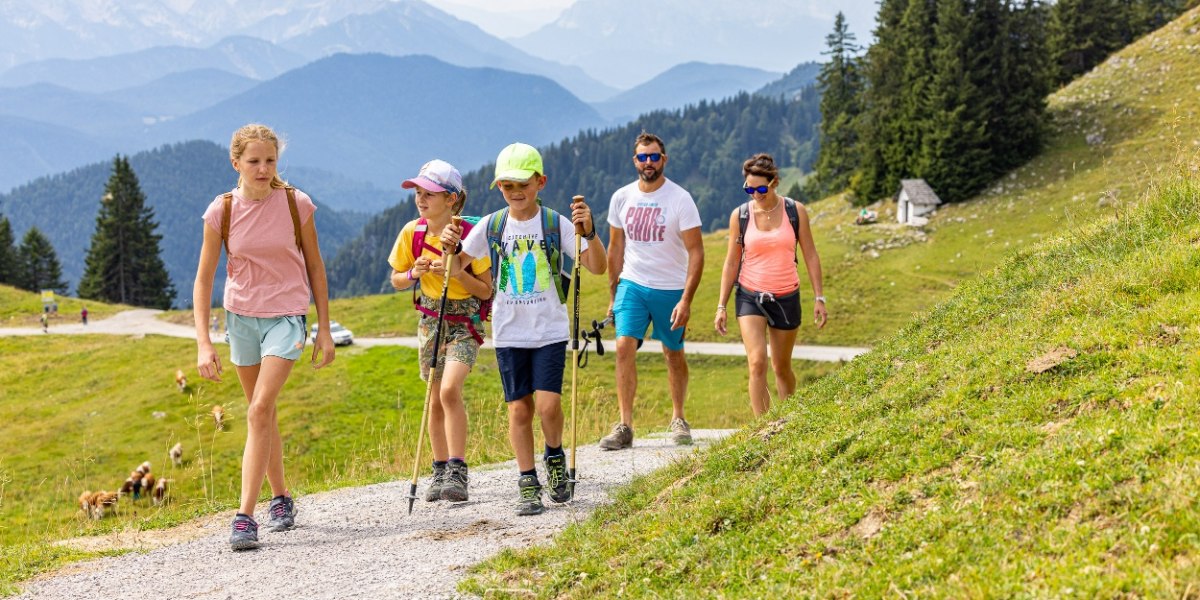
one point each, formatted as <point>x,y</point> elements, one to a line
<point>283,514</point>
<point>681,432</point>
<point>454,486</point>
<point>434,490</point>
<point>621,437</point>
<point>245,533</point>
<point>531,497</point>
<point>556,478</point>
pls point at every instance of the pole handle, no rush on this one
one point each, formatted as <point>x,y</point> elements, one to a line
<point>579,226</point>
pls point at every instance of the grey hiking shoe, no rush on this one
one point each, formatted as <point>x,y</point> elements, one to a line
<point>283,514</point>
<point>454,486</point>
<point>531,497</point>
<point>621,437</point>
<point>681,432</point>
<point>556,478</point>
<point>245,533</point>
<point>434,490</point>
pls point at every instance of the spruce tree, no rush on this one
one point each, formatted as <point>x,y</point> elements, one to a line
<point>123,263</point>
<point>1083,33</point>
<point>877,123</point>
<point>38,267</point>
<point>841,89</point>
<point>8,253</point>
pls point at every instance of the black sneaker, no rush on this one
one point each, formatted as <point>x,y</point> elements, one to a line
<point>245,533</point>
<point>283,514</point>
<point>531,496</point>
<point>454,486</point>
<point>434,491</point>
<point>556,478</point>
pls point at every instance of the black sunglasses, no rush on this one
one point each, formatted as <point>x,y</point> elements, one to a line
<point>652,157</point>
<point>762,189</point>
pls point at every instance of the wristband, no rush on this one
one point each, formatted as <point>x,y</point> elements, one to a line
<point>720,308</point>
<point>820,299</point>
<point>409,274</point>
<point>590,236</point>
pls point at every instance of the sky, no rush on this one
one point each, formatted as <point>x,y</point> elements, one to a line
<point>508,19</point>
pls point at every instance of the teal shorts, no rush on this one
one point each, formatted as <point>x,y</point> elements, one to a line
<point>253,338</point>
<point>636,307</point>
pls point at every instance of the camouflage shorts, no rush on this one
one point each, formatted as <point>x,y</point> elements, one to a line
<point>457,343</point>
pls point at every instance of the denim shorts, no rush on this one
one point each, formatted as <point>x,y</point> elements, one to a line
<point>635,307</point>
<point>253,338</point>
<point>525,370</point>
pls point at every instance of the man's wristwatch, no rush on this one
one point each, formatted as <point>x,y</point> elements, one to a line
<point>820,299</point>
<point>590,236</point>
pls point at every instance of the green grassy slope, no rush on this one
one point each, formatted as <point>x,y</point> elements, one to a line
<point>19,308</point>
<point>943,464</point>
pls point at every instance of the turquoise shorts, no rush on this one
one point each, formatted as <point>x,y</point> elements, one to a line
<point>253,338</point>
<point>635,307</point>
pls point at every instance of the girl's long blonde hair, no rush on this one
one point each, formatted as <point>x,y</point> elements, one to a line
<point>256,132</point>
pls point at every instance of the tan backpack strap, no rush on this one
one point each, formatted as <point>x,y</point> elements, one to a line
<point>225,221</point>
<point>291,196</point>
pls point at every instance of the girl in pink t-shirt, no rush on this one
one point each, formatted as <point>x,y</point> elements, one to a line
<point>270,278</point>
<point>762,260</point>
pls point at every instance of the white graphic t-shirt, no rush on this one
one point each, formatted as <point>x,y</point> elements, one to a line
<point>526,312</point>
<point>653,224</point>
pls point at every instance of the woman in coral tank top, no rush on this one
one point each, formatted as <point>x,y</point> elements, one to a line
<point>762,262</point>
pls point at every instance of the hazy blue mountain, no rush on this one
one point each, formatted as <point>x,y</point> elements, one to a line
<point>179,182</point>
<point>794,83</point>
<point>30,149</point>
<point>681,85</point>
<point>414,27</point>
<point>249,57</point>
<point>625,43</point>
<point>178,94</point>
<point>82,112</point>
<point>378,118</point>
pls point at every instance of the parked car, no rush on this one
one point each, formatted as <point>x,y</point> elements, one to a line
<point>341,335</point>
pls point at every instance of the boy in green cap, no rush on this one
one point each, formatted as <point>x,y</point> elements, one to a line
<point>530,329</point>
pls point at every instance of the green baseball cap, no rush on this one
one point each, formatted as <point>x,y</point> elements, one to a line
<point>517,162</point>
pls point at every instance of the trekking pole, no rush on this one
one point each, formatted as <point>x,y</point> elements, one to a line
<point>571,481</point>
<point>437,340</point>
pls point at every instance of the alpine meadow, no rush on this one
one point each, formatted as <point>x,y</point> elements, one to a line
<point>1021,424</point>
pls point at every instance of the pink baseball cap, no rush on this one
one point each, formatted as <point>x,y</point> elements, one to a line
<point>436,176</point>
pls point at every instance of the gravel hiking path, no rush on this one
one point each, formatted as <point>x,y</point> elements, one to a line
<point>361,542</point>
<point>142,321</point>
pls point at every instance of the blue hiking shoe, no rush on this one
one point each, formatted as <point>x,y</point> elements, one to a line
<point>283,514</point>
<point>245,533</point>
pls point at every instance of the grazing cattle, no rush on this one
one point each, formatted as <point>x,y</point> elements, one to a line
<point>176,454</point>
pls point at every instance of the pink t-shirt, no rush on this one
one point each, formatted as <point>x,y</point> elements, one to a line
<point>769,264</point>
<point>266,275</point>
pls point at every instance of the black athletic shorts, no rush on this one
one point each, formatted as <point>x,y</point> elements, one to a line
<point>782,312</point>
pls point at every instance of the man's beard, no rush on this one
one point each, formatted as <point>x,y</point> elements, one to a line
<point>652,177</point>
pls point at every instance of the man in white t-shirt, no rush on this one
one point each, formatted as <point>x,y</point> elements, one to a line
<point>655,259</point>
<point>530,327</point>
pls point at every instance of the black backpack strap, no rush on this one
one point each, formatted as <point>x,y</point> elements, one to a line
<point>793,215</point>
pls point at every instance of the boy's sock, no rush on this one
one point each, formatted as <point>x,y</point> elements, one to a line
<point>550,451</point>
<point>439,463</point>
<point>454,460</point>
<point>530,472</point>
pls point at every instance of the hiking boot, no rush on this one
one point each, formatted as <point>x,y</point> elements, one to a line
<point>283,514</point>
<point>556,478</point>
<point>245,533</point>
<point>454,486</point>
<point>681,432</point>
<point>434,490</point>
<point>531,497</point>
<point>621,437</point>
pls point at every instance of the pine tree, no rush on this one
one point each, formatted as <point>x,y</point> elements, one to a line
<point>8,253</point>
<point>841,89</point>
<point>38,267</point>
<point>1083,33</point>
<point>876,125</point>
<point>123,262</point>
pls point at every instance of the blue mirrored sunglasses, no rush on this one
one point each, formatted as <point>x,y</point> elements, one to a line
<point>652,157</point>
<point>762,189</point>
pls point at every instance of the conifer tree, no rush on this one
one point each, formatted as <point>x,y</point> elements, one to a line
<point>876,124</point>
<point>123,263</point>
<point>38,267</point>
<point>1083,33</point>
<point>8,253</point>
<point>841,89</point>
